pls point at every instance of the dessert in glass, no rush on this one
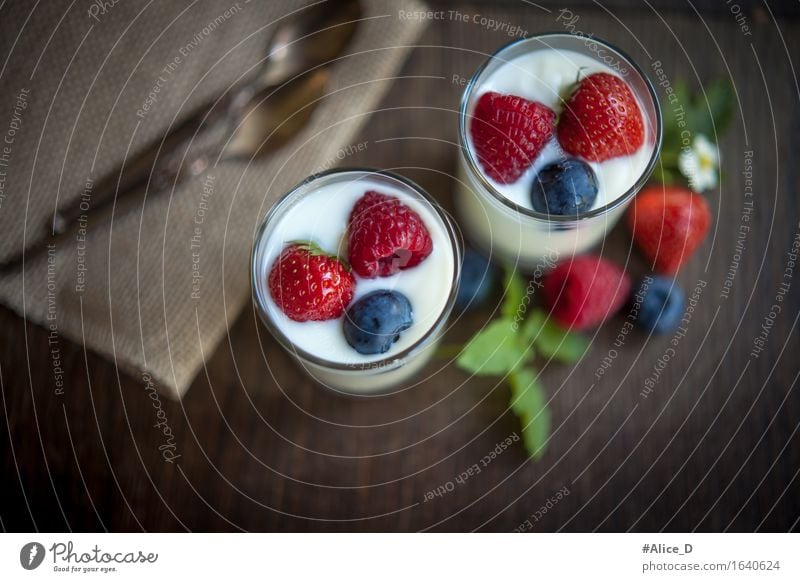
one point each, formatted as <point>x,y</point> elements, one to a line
<point>557,134</point>
<point>355,272</point>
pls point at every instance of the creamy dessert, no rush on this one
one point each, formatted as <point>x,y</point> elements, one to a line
<point>554,144</point>
<point>354,272</point>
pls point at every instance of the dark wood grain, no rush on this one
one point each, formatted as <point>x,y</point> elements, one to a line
<point>714,447</point>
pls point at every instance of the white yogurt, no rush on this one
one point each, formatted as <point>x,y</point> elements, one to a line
<point>321,216</point>
<point>542,76</point>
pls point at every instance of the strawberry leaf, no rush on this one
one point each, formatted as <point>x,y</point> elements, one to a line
<point>529,403</point>
<point>315,250</point>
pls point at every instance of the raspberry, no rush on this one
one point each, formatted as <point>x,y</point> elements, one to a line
<point>586,291</point>
<point>508,133</point>
<point>385,236</point>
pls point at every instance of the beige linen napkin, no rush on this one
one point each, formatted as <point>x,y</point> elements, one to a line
<point>87,82</point>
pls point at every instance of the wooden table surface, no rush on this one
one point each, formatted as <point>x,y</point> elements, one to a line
<point>713,447</point>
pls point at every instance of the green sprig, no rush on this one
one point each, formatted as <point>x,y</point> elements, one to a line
<point>708,112</point>
<point>508,347</point>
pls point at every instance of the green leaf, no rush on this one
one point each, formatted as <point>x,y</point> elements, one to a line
<point>313,249</point>
<point>533,325</point>
<point>681,90</point>
<point>672,131</point>
<point>665,175</point>
<point>708,112</point>
<point>552,340</point>
<point>514,293</point>
<point>556,342</point>
<point>493,351</point>
<point>529,403</point>
<point>720,102</point>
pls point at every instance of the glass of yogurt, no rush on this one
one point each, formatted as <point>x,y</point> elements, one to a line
<point>500,217</point>
<point>320,210</point>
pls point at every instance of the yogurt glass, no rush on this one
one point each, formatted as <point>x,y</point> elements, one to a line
<point>317,209</point>
<point>500,218</point>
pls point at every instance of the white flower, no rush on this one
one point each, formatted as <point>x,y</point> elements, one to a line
<point>700,164</point>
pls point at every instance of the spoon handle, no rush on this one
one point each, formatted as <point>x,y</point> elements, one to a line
<point>185,151</point>
<point>161,163</point>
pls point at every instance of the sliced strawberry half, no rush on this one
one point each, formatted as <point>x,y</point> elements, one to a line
<point>508,133</point>
<point>601,119</point>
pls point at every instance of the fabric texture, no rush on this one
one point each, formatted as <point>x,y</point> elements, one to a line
<point>85,86</point>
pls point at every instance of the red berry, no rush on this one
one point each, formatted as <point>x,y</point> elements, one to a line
<point>508,133</point>
<point>668,223</point>
<point>385,236</point>
<point>585,291</point>
<point>310,285</point>
<point>601,119</point>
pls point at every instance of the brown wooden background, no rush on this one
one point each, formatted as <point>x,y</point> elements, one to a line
<point>714,447</point>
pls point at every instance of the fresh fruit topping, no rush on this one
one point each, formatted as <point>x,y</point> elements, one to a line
<point>668,223</point>
<point>660,304</point>
<point>476,281</point>
<point>601,119</point>
<point>568,187</point>
<point>385,236</point>
<point>508,133</point>
<point>308,284</point>
<point>374,322</point>
<point>585,291</point>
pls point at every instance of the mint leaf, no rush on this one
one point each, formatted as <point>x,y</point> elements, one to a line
<point>556,342</point>
<point>533,325</point>
<point>551,340</point>
<point>514,293</point>
<point>493,351</point>
<point>529,403</point>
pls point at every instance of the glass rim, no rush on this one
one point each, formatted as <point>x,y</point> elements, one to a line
<point>475,170</point>
<point>382,365</point>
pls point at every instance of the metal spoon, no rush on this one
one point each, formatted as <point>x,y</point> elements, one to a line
<point>254,118</point>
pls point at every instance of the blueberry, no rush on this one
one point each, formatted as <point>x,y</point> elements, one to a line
<point>374,322</point>
<point>477,279</point>
<point>565,188</point>
<point>661,304</point>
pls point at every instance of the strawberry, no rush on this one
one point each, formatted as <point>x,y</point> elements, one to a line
<point>508,133</point>
<point>308,284</point>
<point>585,291</point>
<point>668,223</point>
<point>601,119</point>
<point>385,236</point>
